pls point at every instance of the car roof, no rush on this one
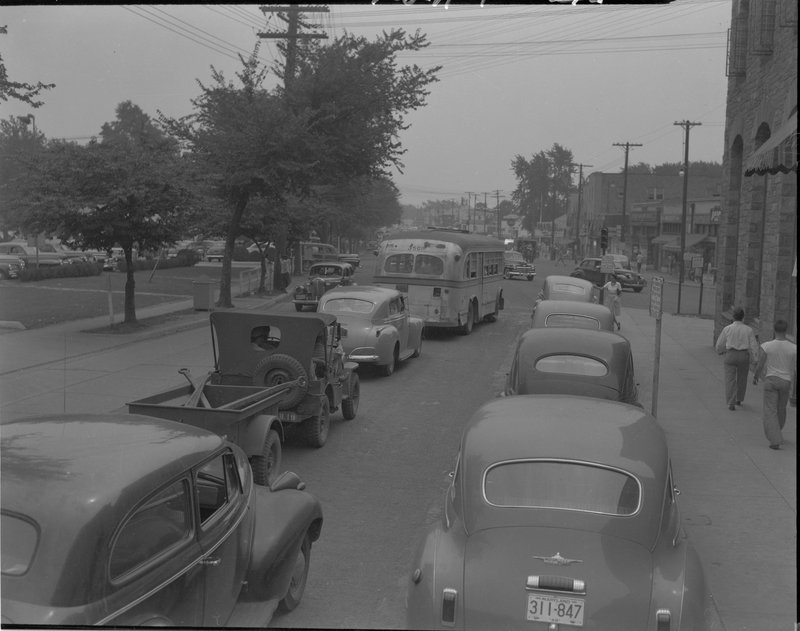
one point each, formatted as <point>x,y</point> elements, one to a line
<point>367,292</point>
<point>571,306</point>
<point>569,280</point>
<point>334,263</point>
<point>76,475</point>
<point>571,428</point>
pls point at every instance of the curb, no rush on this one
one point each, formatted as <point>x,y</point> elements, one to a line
<point>12,324</point>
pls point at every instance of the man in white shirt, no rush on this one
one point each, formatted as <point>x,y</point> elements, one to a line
<point>739,345</point>
<point>778,363</point>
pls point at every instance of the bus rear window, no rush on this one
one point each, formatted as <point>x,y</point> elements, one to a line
<point>399,264</point>
<point>428,265</point>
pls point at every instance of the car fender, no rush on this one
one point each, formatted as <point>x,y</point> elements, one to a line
<point>254,431</point>
<point>439,566</point>
<point>282,519</point>
<point>415,328</point>
<point>386,337</point>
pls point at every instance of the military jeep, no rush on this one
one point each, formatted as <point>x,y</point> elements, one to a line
<point>267,349</point>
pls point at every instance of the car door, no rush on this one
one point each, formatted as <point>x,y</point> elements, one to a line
<point>225,526</point>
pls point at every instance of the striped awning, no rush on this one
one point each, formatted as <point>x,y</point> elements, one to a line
<point>778,154</point>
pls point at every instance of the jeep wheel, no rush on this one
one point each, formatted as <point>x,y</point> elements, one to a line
<point>267,465</point>
<point>350,404</point>
<point>279,368</point>
<point>316,428</point>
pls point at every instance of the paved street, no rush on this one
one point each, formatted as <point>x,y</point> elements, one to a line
<point>380,478</point>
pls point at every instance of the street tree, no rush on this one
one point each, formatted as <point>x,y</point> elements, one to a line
<point>20,90</point>
<point>19,147</point>
<point>124,190</point>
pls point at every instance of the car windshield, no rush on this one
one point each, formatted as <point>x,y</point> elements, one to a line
<point>572,365</point>
<point>323,270</point>
<point>19,540</point>
<point>562,485</point>
<point>348,305</point>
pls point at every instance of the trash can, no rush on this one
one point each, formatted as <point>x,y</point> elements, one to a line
<point>204,297</point>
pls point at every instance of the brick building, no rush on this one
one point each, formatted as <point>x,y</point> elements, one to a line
<point>757,246</point>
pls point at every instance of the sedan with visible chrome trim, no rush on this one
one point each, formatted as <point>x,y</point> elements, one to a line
<point>377,327</point>
<point>561,513</point>
<point>128,520</point>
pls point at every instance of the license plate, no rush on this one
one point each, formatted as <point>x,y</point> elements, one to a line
<point>289,417</point>
<point>558,609</point>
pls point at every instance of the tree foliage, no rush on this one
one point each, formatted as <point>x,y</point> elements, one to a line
<point>18,150</point>
<point>20,90</point>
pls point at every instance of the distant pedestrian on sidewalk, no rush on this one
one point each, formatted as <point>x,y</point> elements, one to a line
<point>561,259</point>
<point>778,364</point>
<point>614,290</point>
<point>639,261</point>
<point>739,345</point>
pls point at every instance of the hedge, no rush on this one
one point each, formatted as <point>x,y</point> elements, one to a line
<point>185,258</point>
<point>60,271</point>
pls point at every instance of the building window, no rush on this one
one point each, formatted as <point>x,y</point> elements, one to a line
<point>788,13</point>
<point>655,193</point>
<point>737,44</point>
<point>762,27</point>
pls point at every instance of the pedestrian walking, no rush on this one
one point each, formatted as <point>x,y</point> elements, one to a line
<point>613,291</point>
<point>739,345</point>
<point>561,258</point>
<point>286,274</point>
<point>777,364</point>
<point>639,261</point>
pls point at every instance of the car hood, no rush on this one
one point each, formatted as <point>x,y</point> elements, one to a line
<point>617,575</point>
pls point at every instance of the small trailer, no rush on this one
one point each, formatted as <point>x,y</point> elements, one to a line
<point>244,415</point>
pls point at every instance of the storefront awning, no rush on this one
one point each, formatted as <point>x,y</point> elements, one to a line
<point>692,240</point>
<point>665,239</point>
<point>778,154</point>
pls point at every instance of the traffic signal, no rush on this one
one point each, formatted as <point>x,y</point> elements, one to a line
<point>603,238</point>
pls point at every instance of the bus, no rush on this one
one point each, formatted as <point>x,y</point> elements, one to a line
<point>451,278</point>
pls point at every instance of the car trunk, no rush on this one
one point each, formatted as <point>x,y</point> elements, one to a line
<point>502,570</point>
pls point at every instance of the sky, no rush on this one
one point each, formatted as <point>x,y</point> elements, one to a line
<point>516,78</point>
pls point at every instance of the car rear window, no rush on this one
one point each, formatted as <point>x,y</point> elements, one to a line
<point>348,305</point>
<point>19,540</point>
<point>572,365</point>
<point>568,289</point>
<point>571,320</point>
<point>562,485</point>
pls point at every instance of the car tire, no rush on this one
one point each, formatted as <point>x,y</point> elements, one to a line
<point>316,428</point>
<point>297,582</point>
<point>277,369</point>
<point>350,404</point>
<point>266,466</point>
<point>507,276</point>
<point>3,275</point>
<point>467,327</point>
<point>298,308</point>
<point>638,289</point>
<point>418,350</point>
<point>388,369</point>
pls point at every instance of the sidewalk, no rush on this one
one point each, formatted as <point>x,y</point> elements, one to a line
<point>738,497</point>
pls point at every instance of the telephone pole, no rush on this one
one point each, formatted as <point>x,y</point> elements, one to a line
<point>294,21</point>
<point>497,211</point>
<point>687,125</point>
<point>578,247</point>
<point>627,146</point>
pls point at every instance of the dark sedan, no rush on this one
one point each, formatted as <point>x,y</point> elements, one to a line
<point>590,270</point>
<point>573,361</point>
<point>130,520</point>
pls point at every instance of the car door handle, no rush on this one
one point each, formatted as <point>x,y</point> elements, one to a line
<point>210,561</point>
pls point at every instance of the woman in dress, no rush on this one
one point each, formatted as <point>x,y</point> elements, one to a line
<point>613,290</point>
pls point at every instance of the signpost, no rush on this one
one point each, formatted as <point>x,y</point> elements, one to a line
<point>697,266</point>
<point>656,309</point>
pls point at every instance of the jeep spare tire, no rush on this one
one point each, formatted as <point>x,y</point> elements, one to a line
<point>277,369</point>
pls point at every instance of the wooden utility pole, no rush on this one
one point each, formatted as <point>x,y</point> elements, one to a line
<point>687,125</point>
<point>292,15</point>
<point>579,249</point>
<point>497,211</point>
<point>627,146</point>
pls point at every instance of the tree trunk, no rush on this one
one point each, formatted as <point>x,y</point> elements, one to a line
<point>225,301</point>
<point>262,280</point>
<point>130,286</point>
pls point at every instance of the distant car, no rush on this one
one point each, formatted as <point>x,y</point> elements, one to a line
<point>514,266</point>
<point>46,254</point>
<point>10,266</point>
<point>573,361</point>
<point>571,314</point>
<point>377,327</point>
<point>589,269</point>
<point>215,255</point>
<point>322,277</point>
<point>129,520</point>
<point>350,257</point>
<point>561,514</point>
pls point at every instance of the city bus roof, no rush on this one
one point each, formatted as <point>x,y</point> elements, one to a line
<point>465,240</point>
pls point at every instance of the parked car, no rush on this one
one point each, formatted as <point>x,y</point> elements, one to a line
<point>350,257</point>
<point>215,254</point>
<point>561,513</point>
<point>571,314</point>
<point>568,288</point>
<point>514,266</point>
<point>321,278</point>
<point>589,269</point>
<point>377,327</point>
<point>46,255</point>
<point>268,349</point>
<point>573,361</point>
<point>130,520</point>
<point>10,266</point>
